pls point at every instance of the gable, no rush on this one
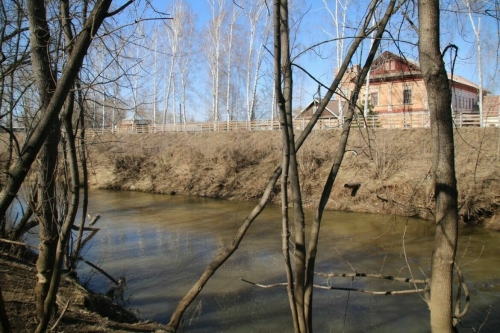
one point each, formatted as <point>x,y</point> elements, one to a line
<point>331,110</point>
<point>389,66</point>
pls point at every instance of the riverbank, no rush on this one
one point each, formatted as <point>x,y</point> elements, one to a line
<point>83,311</point>
<point>392,166</point>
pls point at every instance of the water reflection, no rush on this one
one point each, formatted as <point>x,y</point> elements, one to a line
<point>163,243</point>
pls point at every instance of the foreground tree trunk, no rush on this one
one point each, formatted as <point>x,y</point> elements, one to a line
<point>316,224</point>
<point>283,72</point>
<point>443,167</point>
<point>51,111</point>
<point>4,320</point>
<point>45,139</point>
<point>47,159</point>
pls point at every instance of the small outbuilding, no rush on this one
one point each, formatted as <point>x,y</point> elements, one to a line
<point>331,115</point>
<point>135,124</point>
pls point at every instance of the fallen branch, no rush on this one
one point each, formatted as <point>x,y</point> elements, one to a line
<point>89,237</point>
<point>384,293</point>
<point>94,221</point>
<point>17,243</point>
<point>266,286</point>
<point>100,270</point>
<point>61,316</point>
<point>377,276</point>
<point>76,228</point>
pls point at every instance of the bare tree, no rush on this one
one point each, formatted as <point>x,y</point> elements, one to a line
<point>173,32</point>
<point>254,57</point>
<point>338,17</point>
<point>477,34</point>
<point>443,167</point>
<point>235,13</point>
<point>214,53</point>
<point>53,91</point>
<point>186,62</point>
<point>298,304</point>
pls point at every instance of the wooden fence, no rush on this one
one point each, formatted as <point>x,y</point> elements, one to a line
<point>401,121</point>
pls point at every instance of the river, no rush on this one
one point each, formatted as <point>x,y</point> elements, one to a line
<point>162,244</point>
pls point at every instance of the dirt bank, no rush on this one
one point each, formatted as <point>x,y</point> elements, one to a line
<point>85,312</point>
<point>393,167</point>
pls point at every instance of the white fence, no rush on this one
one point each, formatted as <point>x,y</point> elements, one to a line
<point>401,121</point>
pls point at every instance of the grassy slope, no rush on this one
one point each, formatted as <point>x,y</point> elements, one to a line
<point>392,165</point>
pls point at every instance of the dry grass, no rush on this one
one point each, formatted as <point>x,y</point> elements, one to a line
<point>392,165</point>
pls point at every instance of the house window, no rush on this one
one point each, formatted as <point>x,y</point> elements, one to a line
<point>470,103</point>
<point>460,101</point>
<point>407,96</point>
<point>374,99</point>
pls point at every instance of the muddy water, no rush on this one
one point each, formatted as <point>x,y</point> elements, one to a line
<point>163,243</point>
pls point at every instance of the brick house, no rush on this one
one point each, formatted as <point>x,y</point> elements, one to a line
<point>397,96</point>
<point>491,108</point>
<point>396,86</point>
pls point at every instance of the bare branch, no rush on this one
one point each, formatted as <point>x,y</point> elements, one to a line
<point>100,270</point>
<point>372,292</point>
<point>63,312</point>
<point>119,9</point>
<point>377,276</point>
<point>383,293</point>
<point>17,243</point>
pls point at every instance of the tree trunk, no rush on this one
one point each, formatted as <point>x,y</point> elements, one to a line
<point>280,102</point>
<point>48,217</point>
<point>443,167</point>
<point>315,228</point>
<point>176,317</point>
<point>33,145</point>
<point>46,134</point>
<point>4,320</point>
<point>47,158</point>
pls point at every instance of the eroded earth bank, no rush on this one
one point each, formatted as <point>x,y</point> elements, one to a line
<point>392,166</point>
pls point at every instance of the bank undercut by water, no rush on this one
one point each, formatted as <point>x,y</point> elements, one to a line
<point>391,167</point>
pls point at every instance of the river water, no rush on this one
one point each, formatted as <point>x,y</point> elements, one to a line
<point>162,244</point>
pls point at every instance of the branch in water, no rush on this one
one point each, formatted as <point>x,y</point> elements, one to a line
<point>378,276</point>
<point>385,293</point>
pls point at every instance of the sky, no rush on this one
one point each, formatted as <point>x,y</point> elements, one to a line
<point>313,21</point>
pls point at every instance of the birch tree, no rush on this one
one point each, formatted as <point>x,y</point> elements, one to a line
<point>338,16</point>
<point>214,51</point>
<point>235,14</point>
<point>186,62</point>
<point>155,81</point>
<point>172,32</point>
<point>254,57</point>
<point>477,34</point>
